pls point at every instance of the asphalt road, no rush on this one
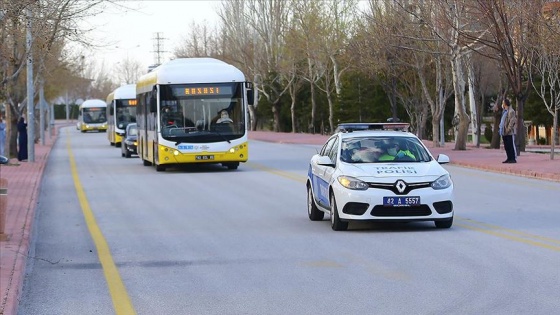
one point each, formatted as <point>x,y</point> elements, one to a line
<point>114,237</point>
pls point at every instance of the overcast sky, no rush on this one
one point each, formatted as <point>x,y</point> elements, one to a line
<point>133,31</point>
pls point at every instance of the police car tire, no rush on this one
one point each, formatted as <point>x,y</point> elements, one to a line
<point>312,211</point>
<point>336,223</point>
<point>444,224</point>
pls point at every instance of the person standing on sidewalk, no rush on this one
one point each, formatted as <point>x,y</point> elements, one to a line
<point>508,126</point>
<point>22,139</point>
<point>2,136</point>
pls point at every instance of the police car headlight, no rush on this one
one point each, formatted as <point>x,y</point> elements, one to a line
<point>442,182</point>
<point>352,183</point>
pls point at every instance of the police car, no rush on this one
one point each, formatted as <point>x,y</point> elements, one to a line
<point>378,172</point>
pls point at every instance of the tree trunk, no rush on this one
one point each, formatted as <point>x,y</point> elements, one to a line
<point>462,127</point>
<point>252,118</point>
<point>472,99</point>
<point>276,115</point>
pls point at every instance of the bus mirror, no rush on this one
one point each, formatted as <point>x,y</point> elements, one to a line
<point>250,97</point>
<point>250,93</point>
<point>153,104</point>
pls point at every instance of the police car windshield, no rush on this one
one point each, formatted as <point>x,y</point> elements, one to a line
<point>383,150</point>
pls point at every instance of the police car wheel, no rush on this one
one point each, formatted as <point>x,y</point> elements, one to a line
<point>444,224</point>
<point>312,211</point>
<point>336,223</point>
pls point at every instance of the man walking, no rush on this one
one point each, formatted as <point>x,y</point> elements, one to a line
<point>508,126</point>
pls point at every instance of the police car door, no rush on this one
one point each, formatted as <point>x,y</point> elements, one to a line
<point>333,154</point>
<point>319,181</point>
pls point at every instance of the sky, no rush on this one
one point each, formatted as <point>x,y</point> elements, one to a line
<point>123,32</point>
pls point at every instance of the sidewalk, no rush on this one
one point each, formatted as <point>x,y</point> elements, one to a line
<point>24,179</point>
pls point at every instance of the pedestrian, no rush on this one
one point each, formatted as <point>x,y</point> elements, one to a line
<point>2,136</point>
<point>22,139</point>
<point>508,127</point>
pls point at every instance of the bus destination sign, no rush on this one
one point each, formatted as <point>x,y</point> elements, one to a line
<point>204,90</point>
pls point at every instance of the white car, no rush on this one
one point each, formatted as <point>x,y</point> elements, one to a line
<point>378,172</point>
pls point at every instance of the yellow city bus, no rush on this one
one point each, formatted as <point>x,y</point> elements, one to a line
<point>92,116</point>
<point>182,109</point>
<point>121,104</point>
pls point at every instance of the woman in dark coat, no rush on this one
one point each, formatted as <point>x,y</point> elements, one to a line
<point>22,139</point>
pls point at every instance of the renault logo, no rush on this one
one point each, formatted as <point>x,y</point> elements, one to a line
<point>401,186</point>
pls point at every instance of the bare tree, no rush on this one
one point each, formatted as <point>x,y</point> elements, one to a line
<point>201,41</point>
<point>339,22</point>
<point>510,26</point>
<point>128,70</point>
<point>546,64</point>
<point>254,32</point>
<point>53,22</point>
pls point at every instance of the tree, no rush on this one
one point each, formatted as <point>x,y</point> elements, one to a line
<point>509,29</point>
<point>546,64</point>
<point>53,22</point>
<point>128,71</point>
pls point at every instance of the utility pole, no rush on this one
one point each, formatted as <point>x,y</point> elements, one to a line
<point>42,110</point>
<point>158,48</point>
<point>30,92</point>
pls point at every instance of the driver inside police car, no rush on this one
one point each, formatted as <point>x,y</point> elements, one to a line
<point>400,150</point>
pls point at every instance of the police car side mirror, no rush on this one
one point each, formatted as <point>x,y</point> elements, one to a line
<point>325,161</point>
<point>443,159</point>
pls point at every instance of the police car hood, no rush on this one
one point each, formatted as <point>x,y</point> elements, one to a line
<point>423,171</point>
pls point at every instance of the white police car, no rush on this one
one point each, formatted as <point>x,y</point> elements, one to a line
<point>378,172</point>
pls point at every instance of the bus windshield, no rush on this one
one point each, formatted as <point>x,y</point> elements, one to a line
<point>126,114</point>
<point>94,115</point>
<point>189,113</point>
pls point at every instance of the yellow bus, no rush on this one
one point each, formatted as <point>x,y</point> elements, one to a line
<point>121,104</point>
<point>193,110</point>
<point>92,116</point>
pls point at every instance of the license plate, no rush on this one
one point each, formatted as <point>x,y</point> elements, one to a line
<point>401,201</point>
<point>205,157</point>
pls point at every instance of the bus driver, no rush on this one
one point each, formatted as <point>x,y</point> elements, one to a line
<point>224,117</point>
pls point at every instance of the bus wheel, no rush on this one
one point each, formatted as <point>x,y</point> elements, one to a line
<point>159,167</point>
<point>231,166</point>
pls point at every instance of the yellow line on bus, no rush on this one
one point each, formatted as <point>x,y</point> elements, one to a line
<point>121,300</point>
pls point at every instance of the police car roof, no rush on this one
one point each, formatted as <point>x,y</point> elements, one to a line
<point>351,127</point>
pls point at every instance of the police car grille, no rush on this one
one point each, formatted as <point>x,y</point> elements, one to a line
<point>392,187</point>
<point>417,211</point>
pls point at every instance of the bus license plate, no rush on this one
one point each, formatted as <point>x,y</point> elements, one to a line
<point>205,157</point>
<point>401,201</point>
